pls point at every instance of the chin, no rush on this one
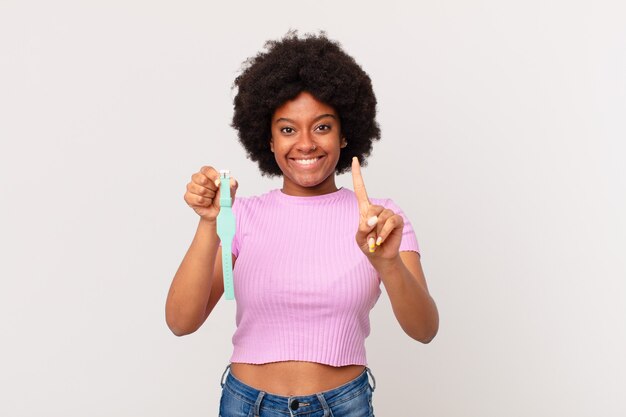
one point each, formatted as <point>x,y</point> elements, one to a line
<point>308,183</point>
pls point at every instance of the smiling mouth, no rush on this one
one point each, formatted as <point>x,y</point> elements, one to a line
<point>306,161</point>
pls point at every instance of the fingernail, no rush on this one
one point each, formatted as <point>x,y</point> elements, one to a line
<point>370,242</point>
<point>379,241</point>
<point>217,182</point>
<point>372,221</point>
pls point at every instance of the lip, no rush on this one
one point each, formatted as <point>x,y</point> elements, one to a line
<point>293,162</point>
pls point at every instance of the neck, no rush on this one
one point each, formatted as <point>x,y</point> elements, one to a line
<point>325,187</point>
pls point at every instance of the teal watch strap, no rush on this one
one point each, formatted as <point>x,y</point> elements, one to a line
<point>226,232</point>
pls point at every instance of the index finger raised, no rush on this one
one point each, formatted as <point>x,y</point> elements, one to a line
<point>359,185</point>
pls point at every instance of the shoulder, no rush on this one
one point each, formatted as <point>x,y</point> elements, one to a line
<point>390,204</point>
<point>385,202</point>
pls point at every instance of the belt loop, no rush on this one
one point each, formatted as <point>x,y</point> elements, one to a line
<point>257,404</point>
<point>369,371</point>
<point>320,397</point>
<point>222,380</point>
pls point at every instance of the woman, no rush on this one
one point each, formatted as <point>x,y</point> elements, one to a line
<point>304,110</point>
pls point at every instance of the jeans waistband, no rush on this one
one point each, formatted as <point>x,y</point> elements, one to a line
<point>303,403</point>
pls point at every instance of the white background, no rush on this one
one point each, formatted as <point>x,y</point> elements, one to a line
<point>503,140</point>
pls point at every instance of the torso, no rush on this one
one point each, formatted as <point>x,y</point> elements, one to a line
<point>294,378</point>
<point>290,378</point>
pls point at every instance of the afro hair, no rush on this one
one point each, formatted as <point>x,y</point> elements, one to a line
<point>311,63</point>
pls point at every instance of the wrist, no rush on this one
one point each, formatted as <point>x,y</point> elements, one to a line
<point>207,229</point>
<point>387,265</point>
<point>205,223</point>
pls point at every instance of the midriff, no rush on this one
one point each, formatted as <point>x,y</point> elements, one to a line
<point>291,378</point>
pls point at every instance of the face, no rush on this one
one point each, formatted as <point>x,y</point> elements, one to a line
<point>306,142</point>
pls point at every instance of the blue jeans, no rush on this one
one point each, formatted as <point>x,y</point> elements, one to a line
<point>352,399</point>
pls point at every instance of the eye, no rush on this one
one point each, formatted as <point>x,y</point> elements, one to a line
<point>287,130</point>
<point>323,128</point>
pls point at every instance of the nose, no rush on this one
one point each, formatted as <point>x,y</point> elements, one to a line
<point>306,143</point>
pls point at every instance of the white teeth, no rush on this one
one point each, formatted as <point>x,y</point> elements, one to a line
<point>306,161</point>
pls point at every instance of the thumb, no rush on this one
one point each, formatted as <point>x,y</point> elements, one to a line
<point>234,184</point>
<point>365,231</point>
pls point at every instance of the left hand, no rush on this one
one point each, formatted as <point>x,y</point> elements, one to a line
<point>380,229</point>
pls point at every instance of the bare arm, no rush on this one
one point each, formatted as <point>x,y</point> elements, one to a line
<point>412,305</point>
<point>198,284</point>
<point>379,236</point>
<point>190,292</point>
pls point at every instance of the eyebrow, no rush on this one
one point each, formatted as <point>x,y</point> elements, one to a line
<point>321,116</point>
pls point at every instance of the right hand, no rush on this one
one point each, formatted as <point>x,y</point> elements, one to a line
<point>203,194</point>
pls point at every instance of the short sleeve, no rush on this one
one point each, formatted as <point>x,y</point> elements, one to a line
<point>409,239</point>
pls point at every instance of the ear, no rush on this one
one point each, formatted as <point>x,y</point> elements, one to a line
<point>343,142</point>
<point>272,145</point>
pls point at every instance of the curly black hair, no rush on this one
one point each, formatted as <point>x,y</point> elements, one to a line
<point>289,66</point>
